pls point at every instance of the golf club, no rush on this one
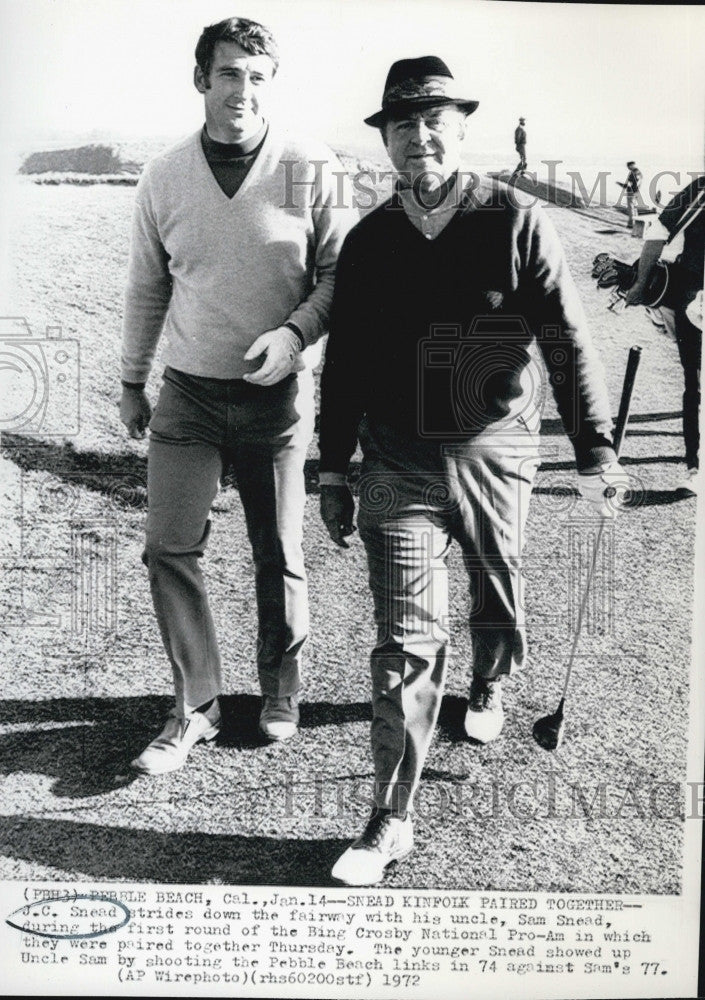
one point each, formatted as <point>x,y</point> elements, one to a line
<point>548,730</point>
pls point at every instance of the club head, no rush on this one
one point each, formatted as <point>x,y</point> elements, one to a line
<point>548,730</point>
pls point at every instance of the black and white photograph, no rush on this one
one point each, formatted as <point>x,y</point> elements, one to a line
<point>349,475</point>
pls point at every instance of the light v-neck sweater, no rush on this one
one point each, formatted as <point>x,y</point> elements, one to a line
<point>213,272</point>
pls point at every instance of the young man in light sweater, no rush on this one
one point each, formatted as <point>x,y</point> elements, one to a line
<point>235,238</point>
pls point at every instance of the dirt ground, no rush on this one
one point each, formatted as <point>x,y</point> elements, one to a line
<point>86,682</point>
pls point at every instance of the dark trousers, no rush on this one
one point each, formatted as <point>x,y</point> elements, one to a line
<point>689,340</point>
<point>521,165</point>
<point>199,426</point>
<point>415,500</point>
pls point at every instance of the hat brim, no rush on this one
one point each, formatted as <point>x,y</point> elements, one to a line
<point>397,108</point>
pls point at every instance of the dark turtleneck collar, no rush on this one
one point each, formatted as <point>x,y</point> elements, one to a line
<point>231,150</point>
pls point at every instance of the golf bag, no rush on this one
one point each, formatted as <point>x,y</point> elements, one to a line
<point>669,283</point>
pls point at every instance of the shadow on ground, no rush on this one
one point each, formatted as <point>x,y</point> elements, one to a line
<point>122,476</point>
<point>635,498</point>
<point>119,476</point>
<point>86,744</point>
<point>121,854</point>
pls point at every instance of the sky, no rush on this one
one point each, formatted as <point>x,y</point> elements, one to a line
<point>597,83</point>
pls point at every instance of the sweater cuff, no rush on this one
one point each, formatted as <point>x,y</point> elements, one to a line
<point>297,330</point>
<point>331,479</point>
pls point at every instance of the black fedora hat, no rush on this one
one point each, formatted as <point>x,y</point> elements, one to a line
<point>414,84</point>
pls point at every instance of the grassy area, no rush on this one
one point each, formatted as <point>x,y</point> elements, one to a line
<point>83,694</point>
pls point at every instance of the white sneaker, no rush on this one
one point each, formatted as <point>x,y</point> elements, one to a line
<point>385,839</point>
<point>485,716</point>
<point>690,484</point>
<point>169,750</point>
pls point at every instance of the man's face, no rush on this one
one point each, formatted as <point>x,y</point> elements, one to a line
<point>235,92</point>
<point>425,147</point>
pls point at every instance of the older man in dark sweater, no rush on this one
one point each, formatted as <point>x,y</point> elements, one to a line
<point>445,299</point>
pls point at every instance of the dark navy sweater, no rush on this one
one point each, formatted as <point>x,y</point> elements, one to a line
<point>435,338</point>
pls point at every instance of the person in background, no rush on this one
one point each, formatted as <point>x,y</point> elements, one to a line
<point>234,245</point>
<point>520,146</point>
<point>685,214</point>
<point>630,188</point>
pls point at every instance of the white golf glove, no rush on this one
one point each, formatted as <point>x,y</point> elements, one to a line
<point>282,350</point>
<point>694,311</point>
<point>605,489</point>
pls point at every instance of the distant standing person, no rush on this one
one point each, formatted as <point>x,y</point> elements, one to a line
<point>520,145</point>
<point>631,189</point>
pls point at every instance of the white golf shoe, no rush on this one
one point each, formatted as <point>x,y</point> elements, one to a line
<point>385,839</point>
<point>169,750</point>
<point>485,716</point>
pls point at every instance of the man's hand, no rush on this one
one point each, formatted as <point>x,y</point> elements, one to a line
<point>650,254</point>
<point>635,295</point>
<point>283,356</point>
<point>605,489</point>
<point>337,509</point>
<point>135,411</point>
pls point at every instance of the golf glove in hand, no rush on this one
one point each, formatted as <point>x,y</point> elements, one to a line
<point>337,509</point>
<point>282,350</point>
<point>694,311</point>
<point>605,489</point>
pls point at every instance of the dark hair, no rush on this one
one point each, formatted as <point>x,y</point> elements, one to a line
<point>249,35</point>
